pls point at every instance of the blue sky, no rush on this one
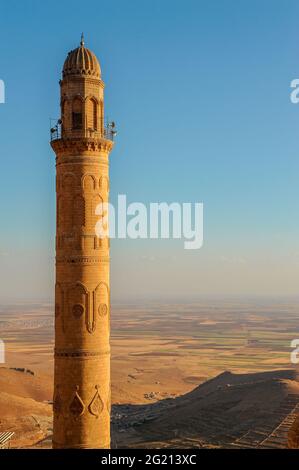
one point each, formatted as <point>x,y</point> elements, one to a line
<point>200,94</point>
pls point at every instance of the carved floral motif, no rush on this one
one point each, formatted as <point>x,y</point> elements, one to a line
<point>96,405</point>
<point>78,310</point>
<point>77,406</point>
<point>103,310</point>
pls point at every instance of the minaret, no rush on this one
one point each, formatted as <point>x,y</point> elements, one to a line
<point>82,308</point>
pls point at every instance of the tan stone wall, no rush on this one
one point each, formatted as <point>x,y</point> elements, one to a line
<point>82,295</point>
<point>89,91</point>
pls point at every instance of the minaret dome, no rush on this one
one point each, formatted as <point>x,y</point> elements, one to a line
<point>81,62</point>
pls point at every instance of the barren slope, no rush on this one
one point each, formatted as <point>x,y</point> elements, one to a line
<point>218,413</point>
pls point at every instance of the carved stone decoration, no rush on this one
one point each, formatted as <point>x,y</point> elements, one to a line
<point>82,354</point>
<point>90,320</point>
<point>88,182</point>
<point>96,405</point>
<point>97,211</point>
<point>78,310</point>
<point>69,147</point>
<point>103,310</point>
<point>91,323</point>
<point>57,402</point>
<point>78,299</point>
<point>101,300</point>
<point>104,183</point>
<point>77,406</point>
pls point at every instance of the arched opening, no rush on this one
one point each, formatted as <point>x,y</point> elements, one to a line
<point>92,114</point>
<point>77,120</point>
<point>94,107</point>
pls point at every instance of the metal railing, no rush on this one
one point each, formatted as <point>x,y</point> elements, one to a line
<point>59,132</point>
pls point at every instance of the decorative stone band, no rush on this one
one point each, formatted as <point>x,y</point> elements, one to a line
<point>77,407</point>
<point>82,260</point>
<point>87,79</point>
<point>81,145</point>
<point>78,160</point>
<point>80,353</point>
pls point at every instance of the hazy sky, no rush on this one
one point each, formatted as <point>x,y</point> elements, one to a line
<point>200,94</point>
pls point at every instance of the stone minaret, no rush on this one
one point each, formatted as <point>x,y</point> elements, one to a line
<point>82,309</point>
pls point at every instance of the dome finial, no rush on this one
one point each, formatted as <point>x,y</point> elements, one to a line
<point>82,40</point>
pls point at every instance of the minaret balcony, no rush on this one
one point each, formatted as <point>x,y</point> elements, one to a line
<point>58,132</point>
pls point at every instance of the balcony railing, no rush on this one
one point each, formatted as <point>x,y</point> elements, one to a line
<point>59,132</point>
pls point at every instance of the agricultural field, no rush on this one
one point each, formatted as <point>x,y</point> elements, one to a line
<point>159,351</point>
